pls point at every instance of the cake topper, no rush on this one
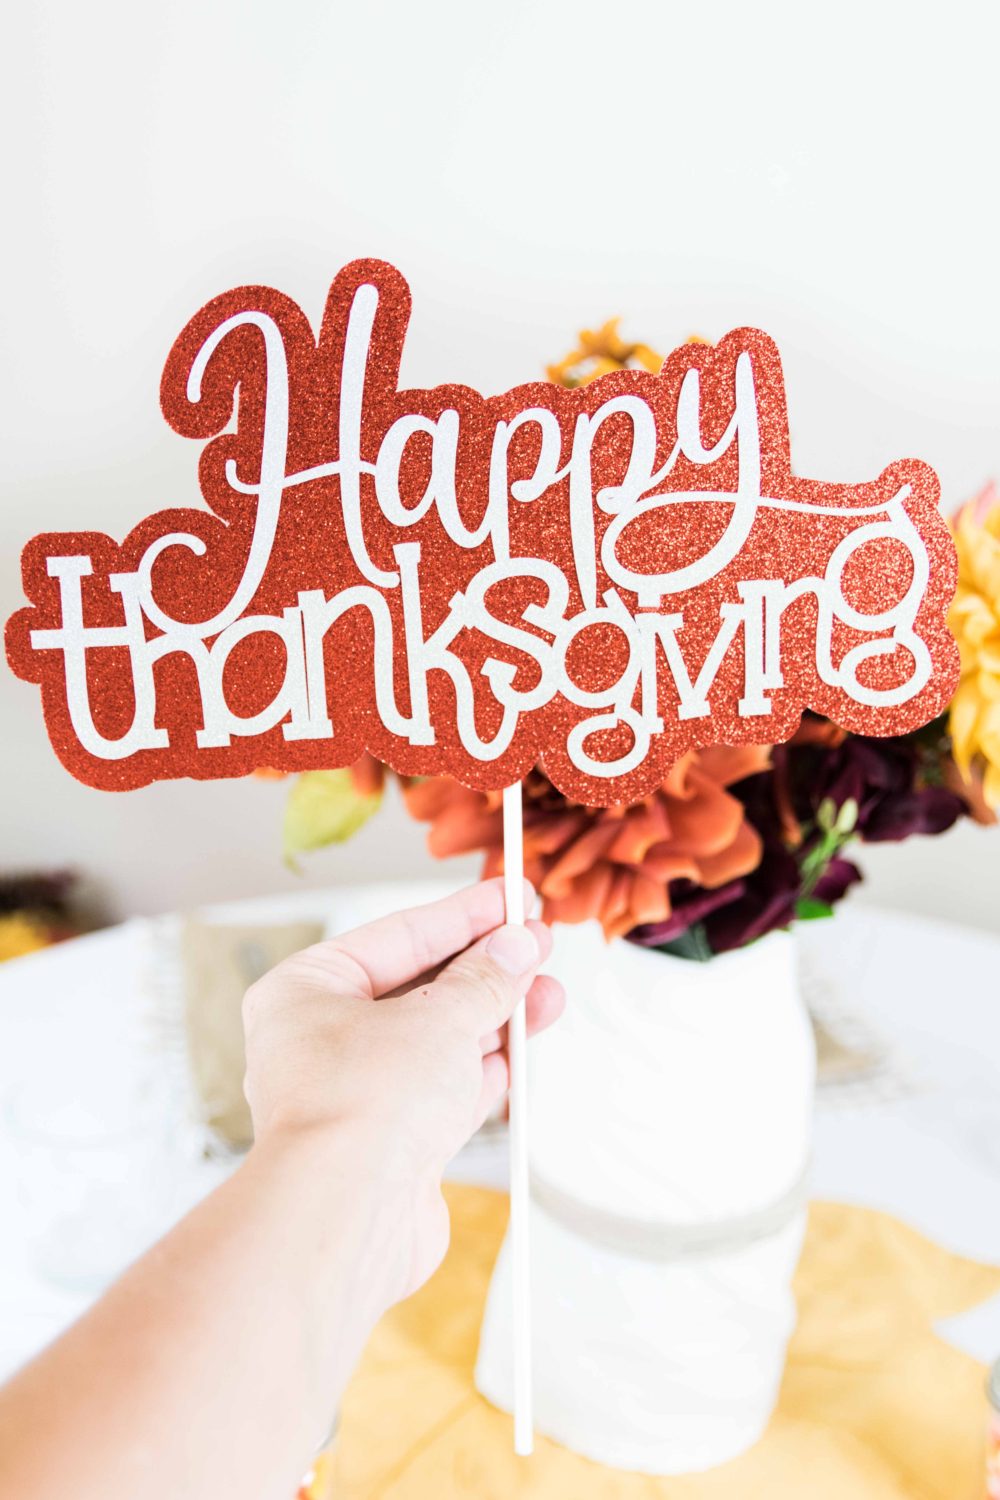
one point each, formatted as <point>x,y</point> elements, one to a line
<point>597,579</point>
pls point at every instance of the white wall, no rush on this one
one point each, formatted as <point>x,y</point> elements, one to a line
<point>826,172</point>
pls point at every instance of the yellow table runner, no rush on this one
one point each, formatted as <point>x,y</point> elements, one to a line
<point>873,1405</point>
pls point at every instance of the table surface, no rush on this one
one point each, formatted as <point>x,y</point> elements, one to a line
<point>924,1145</point>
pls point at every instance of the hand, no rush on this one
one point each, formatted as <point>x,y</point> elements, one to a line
<point>389,1041</point>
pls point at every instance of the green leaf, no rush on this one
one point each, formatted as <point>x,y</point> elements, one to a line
<point>691,944</point>
<point>810,909</point>
<point>323,807</point>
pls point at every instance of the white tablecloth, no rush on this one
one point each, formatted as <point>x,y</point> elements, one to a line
<point>926,1147</point>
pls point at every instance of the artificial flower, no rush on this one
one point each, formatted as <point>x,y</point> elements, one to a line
<point>615,864</point>
<point>766,898</point>
<point>21,933</point>
<point>897,784</point>
<point>974,619</point>
<point>823,789</point>
<point>599,352</point>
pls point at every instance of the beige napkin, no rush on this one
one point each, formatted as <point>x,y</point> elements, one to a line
<point>219,964</point>
<point>839,1061</point>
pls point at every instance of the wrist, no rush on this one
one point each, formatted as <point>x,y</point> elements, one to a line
<point>343,1195</point>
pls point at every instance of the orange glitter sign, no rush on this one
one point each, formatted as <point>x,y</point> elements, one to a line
<point>597,579</point>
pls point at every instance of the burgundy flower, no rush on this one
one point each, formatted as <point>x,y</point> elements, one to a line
<point>836,880</point>
<point>689,904</point>
<point>733,915</point>
<point>896,783</point>
<point>767,904</point>
<point>885,788</point>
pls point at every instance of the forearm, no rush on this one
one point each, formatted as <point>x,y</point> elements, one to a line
<point>213,1368</point>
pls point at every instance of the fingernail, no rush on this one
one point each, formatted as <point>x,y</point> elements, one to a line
<point>514,948</point>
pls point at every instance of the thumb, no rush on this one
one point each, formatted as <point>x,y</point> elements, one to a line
<point>485,983</point>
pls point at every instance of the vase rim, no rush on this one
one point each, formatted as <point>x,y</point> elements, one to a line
<point>778,938</point>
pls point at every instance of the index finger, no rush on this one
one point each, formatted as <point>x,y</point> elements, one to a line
<point>396,949</point>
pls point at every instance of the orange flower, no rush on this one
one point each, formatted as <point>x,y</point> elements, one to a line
<point>612,863</point>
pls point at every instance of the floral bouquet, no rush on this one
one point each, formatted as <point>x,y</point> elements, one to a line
<point>736,842</point>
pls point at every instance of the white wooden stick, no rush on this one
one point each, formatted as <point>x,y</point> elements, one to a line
<point>520,1203</point>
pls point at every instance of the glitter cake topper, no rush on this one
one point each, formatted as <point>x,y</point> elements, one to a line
<point>598,578</point>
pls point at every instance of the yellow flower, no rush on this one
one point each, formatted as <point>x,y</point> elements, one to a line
<point>20,934</point>
<point>975,623</point>
<point>602,350</point>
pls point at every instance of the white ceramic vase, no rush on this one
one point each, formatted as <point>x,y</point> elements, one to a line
<point>669,1128</point>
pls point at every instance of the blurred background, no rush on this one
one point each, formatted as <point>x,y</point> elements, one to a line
<point>532,169</point>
